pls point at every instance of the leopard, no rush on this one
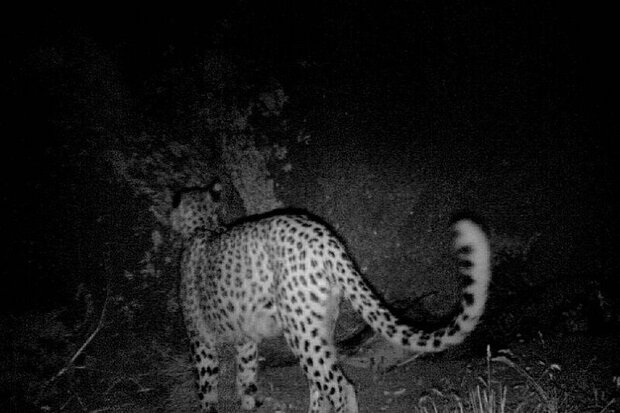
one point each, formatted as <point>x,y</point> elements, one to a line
<point>284,273</point>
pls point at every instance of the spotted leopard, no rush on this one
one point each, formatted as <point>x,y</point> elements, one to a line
<point>285,273</point>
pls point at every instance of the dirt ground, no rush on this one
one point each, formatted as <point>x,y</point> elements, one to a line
<point>576,372</point>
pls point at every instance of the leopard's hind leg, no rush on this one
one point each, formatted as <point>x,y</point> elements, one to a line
<point>247,365</point>
<point>308,329</point>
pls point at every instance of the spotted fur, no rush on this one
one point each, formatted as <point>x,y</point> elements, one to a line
<point>286,274</point>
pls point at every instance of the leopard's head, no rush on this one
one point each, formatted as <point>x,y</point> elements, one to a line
<point>197,209</point>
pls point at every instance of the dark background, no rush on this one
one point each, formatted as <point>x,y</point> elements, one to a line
<point>512,72</point>
<point>534,80</point>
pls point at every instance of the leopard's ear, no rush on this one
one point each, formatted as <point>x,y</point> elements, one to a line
<point>215,190</point>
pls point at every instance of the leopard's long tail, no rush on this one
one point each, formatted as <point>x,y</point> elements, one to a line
<point>473,252</point>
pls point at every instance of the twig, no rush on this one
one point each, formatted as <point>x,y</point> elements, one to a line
<point>105,409</point>
<point>402,363</point>
<point>86,343</point>
<point>66,403</point>
<point>141,388</point>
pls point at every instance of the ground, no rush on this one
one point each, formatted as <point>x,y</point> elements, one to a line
<point>576,372</point>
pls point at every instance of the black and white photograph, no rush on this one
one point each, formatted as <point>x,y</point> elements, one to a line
<point>282,207</point>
